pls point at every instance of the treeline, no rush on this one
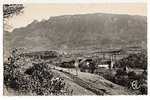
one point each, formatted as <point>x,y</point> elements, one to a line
<point>138,60</point>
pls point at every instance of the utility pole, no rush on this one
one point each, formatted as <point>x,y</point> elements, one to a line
<point>76,66</point>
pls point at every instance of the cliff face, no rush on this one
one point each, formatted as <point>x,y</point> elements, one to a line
<point>75,31</point>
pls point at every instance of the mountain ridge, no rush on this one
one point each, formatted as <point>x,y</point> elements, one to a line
<point>81,30</point>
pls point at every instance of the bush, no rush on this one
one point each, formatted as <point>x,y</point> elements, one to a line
<point>38,79</point>
<point>121,78</point>
<point>120,72</point>
<point>143,90</point>
<point>132,75</point>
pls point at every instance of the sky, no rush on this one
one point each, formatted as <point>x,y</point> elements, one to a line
<point>45,11</point>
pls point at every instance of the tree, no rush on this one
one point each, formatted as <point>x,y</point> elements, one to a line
<point>12,9</point>
<point>138,60</point>
<point>9,10</point>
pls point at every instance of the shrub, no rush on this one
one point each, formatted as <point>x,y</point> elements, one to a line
<point>38,79</point>
<point>121,78</point>
<point>132,75</point>
<point>143,90</point>
<point>120,72</point>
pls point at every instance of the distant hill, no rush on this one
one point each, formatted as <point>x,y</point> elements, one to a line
<point>79,31</point>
